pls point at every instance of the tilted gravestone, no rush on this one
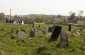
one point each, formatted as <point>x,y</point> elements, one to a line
<point>32,32</point>
<point>76,33</point>
<point>55,33</point>
<point>63,39</point>
<point>21,35</point>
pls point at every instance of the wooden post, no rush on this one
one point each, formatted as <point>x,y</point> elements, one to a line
<point>69,27</point>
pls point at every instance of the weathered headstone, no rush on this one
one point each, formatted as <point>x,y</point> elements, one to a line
<point>7,20</point>
<point>22,22</point>
<point>14,22</point>
<point>45,30</point>
<point>39,31</point>
<point>50,29</point>
<point>36,30</point>
<point>32,32</point>
<point>12,36</point>
<point>55,33</point>
<point>21,35</point>
<point>76,33</point>
<point>63,39</point>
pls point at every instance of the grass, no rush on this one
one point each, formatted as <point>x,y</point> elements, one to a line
<point>9,46</point>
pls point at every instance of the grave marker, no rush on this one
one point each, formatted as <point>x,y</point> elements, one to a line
<point>63,39</point>
<point>50,29</point>
<point>55,33</point>
<point>32,32</point>
<point>21,35</point>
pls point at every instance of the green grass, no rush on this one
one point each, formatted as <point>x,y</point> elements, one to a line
<point>9,46</point>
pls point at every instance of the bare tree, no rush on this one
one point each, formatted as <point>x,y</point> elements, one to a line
<point>80,14</point>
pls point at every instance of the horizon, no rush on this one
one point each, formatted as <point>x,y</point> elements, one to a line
<point>48,7</point>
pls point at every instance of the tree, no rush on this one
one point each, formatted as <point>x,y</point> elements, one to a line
<point>72,17</point>
<point>80,14</point>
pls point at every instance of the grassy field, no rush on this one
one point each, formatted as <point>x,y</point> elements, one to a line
<point>9,46</point>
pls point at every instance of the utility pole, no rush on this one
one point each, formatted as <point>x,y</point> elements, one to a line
<point>10,14</point>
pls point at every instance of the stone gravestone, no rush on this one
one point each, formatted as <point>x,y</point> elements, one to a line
<point>7,20</point>
<point>63,39</point>
<point>22,22</point>
<point>36,30</point>
<point>14,22</point>
<point>21,35</point>
<point>55,33</point>
<point>12,32</point>
<point>50,29</point>
<point>32,32</point>
<point>45,30</point>
<point>76,33</point>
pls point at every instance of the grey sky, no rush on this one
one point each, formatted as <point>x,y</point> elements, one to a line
<point>50,7</point>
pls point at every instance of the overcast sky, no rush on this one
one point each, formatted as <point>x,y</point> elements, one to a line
<point>49,7</point>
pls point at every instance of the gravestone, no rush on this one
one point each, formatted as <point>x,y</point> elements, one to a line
<point>22,22</point>
<point>12,36</point>
<point>76,32</point>
<point>50,29</point>
<point>39,31</point>
<point>7,20</point>
<point>35,30</point>
<point>63,39</point>
<point>55,33</point>
<point>45,30</point>
<point>32,32</point>
<point>21,35</point>
<point>14,22</point>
